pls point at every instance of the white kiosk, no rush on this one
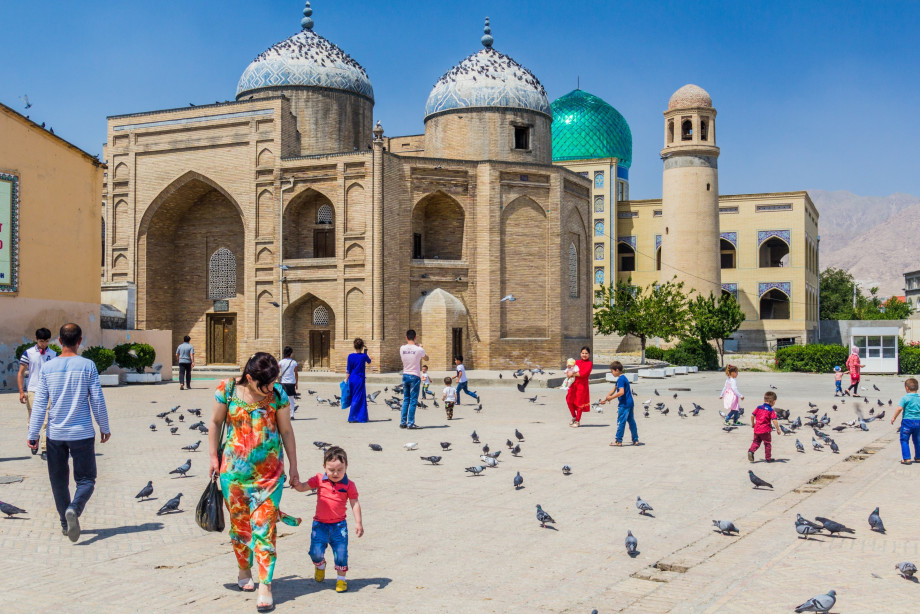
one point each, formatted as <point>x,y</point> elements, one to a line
<point>878,347</point>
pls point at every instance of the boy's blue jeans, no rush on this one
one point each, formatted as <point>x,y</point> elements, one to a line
<point>838,387</point>
<point>910,430</point>
<point>732,416</point>
<point>624,417</point>
<point>411,387</point>
<point>335,535</point>
<point>464,386</point>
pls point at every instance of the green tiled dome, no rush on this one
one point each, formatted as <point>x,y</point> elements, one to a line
<point>585,127</point>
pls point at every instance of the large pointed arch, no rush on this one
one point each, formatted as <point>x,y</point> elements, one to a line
<point>438,222</point>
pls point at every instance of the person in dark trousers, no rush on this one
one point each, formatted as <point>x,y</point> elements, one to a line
<point>70,394</point>
<point>185,356</point>
<point>32,360</point>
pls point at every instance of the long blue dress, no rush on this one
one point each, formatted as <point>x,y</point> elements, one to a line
<point>355,367</point>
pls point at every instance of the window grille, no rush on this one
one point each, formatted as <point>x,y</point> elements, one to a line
<point>222,275</point>
<point>573,271</point>
<point>324,215</point>
<point>321,316</point>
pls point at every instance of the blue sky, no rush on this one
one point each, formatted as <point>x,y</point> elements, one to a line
<point>809,94</point>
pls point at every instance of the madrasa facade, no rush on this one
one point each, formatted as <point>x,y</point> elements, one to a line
<point>288,217</point>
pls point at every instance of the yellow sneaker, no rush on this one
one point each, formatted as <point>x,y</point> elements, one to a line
<point>319,574</point>
<point>341,586</point>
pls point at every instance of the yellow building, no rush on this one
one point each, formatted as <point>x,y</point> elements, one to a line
<point>761,248</point>
<point>50,236</point>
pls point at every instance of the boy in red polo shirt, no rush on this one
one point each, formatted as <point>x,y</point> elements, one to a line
<point>330,528</point>
<point>764,422</point>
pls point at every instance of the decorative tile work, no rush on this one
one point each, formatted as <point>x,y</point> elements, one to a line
<point>784,286</point>
<point>598,203</point>
<point>599,277</point>
<point>599,228</point>
<point>763,235</point>
<point>598,180</point>
<point>586,128</point>
<point>9,234</point>
<point>731,237</point>
<point>657,241</point>
<point>598,251</point>
<point>631,241</point>
<point>731,289</point>
<point>573,271</point>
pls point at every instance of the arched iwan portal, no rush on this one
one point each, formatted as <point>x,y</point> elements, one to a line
<point>309,328</point>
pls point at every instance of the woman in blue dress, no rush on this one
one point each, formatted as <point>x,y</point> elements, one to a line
<point>357,361</point>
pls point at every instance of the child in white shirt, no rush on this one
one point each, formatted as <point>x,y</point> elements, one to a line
<point>449,397</point>
<point>730,395</point>
<point>426,382</point>
<point>571,371</point>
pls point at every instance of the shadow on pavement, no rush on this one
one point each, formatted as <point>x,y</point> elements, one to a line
<point>14,458</point>
<point>289,588</point>
<point>100,534</point>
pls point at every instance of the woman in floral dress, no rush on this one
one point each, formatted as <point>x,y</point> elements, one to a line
<point>251,468</point>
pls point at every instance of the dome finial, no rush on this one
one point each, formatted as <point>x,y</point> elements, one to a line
<point>307,22</point>
<point>487,36</point>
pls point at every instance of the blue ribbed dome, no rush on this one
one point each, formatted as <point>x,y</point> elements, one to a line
<point>305,60</point>
<point>487,79</point>
<point>585,127</point>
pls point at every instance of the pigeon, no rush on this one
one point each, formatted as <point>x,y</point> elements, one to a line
<point>412,445</point>
<point>543,517</point>
<point>516,450</point>
<point>726,527</point>
<point>168,420</point>
<point>192,447</point>
<point>145,492</point>
<point>485,449</point>
<point>162,414</point>
<point>518,481</point>
<point>675,395</point>
<point>656,392</point>
<point>476,409</point>
<point>434,460</point>
<point>834,447</point>
<point>643,506</point>
<point>839,428</point>
<point>874,387</point>
<point>181,417</point>
<point>863,425</point>
<point>10,510</point>
<point>170,506</point>
<point>665,412</point>
<point>489,461</point>
<point>495,454</point>
<point>799,446</point>
<point>509,444</point>
<point>833,527</point>
<point>174,429</point>
<point>522,387</point>
<point>507,299</point>
<point>820,434</point>
<point>192,427</point>
<point>183,468</point>
<point>821,603</point>
<point>797,422</point>
<point>203,429</point>
<point>475,437</point>
<point>805,530</point>
<point>757,482</point>
<point>533,399</point>
<point>799,519</point>
<point>785,431</point>
<point>631,543</point>
<point>475,470</point>
<point>373,396</point>
<point>906,569</point>
<point>445,445</point>
<point>566,470</point>
<point>875,521</point>
<point>816,445</point>
<point>321,444</point>
<point>772,387</point>
<point>680,412</point>
<point>311,392</point>
<point>153,427</point>
<point>376,447</point>
<point>518,435</point>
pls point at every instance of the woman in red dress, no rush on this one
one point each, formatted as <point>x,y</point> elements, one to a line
<point>578,398</point>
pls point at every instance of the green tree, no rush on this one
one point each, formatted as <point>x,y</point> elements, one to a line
<point>659,310</point>
<point>837,295</point>
<point>714,319</point>
<point>896,309</point>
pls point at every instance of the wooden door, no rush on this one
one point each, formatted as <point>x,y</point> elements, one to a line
<point>319,349</point>
<point>323,244</point>
<point>221,341</point>
<point>456,343</point>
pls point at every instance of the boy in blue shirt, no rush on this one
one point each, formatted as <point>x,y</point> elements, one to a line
<point>625,416</point>
<point>910,423</point>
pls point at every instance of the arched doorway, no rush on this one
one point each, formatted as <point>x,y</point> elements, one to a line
<point>775,305</point>
<point>309,325</point>
<point>626,257</point>
<point>191,241</point>
<point>309,226</point>
<point>437,228</point>
<point>774,252</point>
<point>727,254</point>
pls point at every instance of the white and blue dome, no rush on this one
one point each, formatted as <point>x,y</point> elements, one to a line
<point>305,60</point>
<point>488,79</point>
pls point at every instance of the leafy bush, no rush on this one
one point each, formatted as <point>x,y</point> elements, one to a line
<point>693,353</point>
<point>908,358</point>
<point>20,350</point>
<point>654,353</point>
<point>814,358</point>
<point>136,356</point>
<point>102,357</point>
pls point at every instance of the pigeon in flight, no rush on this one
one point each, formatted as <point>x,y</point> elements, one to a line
<point>522,387</point>
<point>434,460</point>
<point>726,527</point>
<point>376,447</point>
<point>518,481</point>
<point>821,603</point>
<point>631,543</point>
<point>183,468</point>
<point>25,99</point>
<point>509,299</point>
<point>643,506</point>
<point>906,569</point>
<point>145,492</point>
<point>875,521</point>
<point>170,506</point>
<point>445,445</point>
<point>10,510</point>
<point>373,396</point>
<point>192,447</point>
<point>543,517</point>
<point>476,470</point>
<point>757,482</point>
<point>833,527</point>
<point>566,470</point>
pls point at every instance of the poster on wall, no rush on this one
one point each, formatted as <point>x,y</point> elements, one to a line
<point>9,202</point>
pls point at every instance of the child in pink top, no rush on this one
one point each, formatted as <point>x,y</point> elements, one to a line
<point>730,395</point>
<point>764,422</point>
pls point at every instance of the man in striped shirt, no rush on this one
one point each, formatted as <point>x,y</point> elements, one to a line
<point>70,393</point>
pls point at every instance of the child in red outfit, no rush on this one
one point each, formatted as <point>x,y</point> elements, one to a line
<point>761,421</point>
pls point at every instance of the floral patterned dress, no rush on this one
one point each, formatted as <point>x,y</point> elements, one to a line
<point>252,475</point>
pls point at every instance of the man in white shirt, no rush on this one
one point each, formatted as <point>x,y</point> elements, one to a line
<point>33,359</point>
<point>412,356</point>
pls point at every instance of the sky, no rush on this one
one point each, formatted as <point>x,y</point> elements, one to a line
<point>810,95</point>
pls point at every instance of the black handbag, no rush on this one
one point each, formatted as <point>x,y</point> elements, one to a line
<point>210,511</point>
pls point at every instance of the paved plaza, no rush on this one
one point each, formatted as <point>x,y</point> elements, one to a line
<point>440,540</point>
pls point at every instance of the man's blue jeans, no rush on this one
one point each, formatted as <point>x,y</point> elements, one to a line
<point>624,417</point>
<point>83,453</point>
<point>331,534</point>
<point>464,386</point>
<point>910,430</point>
<point>411,388</point>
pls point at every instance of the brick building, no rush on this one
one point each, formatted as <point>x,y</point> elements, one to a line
<point>286,217</point>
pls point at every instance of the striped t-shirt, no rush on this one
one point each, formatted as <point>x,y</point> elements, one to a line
<point>72,386</point>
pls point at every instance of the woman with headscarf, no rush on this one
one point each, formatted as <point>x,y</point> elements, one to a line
<point>578,397</point>
<point>854,365</point>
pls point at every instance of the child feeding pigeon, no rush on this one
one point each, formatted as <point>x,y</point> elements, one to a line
<point>330,528</point>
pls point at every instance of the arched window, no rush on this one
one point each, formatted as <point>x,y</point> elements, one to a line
<point>686,130</point>
<point>573,271</point>
<point>325,214</point>
<point>658,259</point>
<point>222,275</point>
<point>727,254</point>
<point>598,204</point>
<point>598,180</point>
<point>599,228</point>
<point>321,316</point>
<point>626,256</point>
<point>704,131</point>
<point>774,305</point>
<point>599,277</point>
<point>671,131</point>
<point>599,251</point>
<point>774,252</point>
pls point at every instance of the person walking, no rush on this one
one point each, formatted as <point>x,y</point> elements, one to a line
<point>357,362</point>
<point>462,383</point>
<point>730,395</point>
<point>251,469</point>
<point>578,398</point>
<point>854,365</point>
<point>185,356</point>
<point>70,394</point>
<point>33,359</point>
<point>412,356</point>
<point>625,412</point>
